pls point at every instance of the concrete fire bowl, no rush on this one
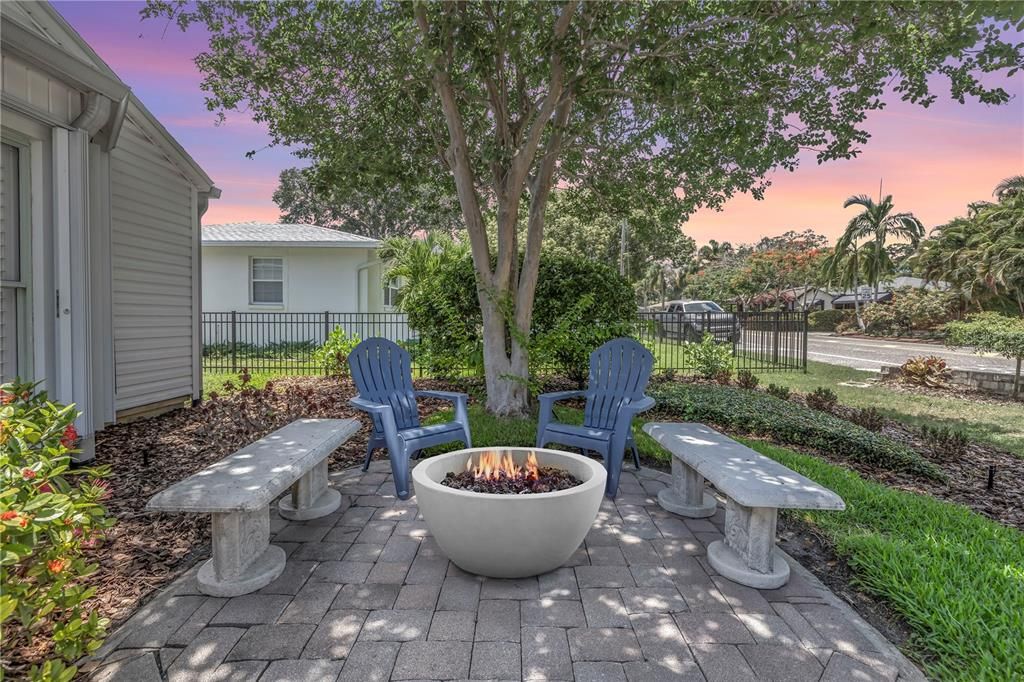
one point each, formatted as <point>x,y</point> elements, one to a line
<point>509,536</point>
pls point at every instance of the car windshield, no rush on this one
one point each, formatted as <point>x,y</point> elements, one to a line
<point>702,307</point>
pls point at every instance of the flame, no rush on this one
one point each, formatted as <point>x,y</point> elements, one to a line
<point>490,466</point>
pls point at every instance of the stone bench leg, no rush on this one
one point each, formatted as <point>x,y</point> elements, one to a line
<point>243,559</point>
<point>687,496</point>
<point>311,497</point>
<point>748,554</point>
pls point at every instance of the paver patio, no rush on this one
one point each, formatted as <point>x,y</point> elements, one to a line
<point>367,595</point>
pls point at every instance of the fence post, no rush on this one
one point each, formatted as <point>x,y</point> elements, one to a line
<point>806,318</point>
<point>327,324</point>
<point>234,342</point>
<point>775,338</point>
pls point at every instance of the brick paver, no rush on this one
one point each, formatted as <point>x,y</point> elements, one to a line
<point>368,594</point>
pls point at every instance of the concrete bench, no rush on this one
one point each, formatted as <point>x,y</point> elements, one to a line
<point>755,486</point>
<point>237,492</point>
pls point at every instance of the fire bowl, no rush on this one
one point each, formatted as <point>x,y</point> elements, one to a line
<point>509,536</point>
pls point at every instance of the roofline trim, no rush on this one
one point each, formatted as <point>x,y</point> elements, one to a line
<point>293,244</point>
<point>39,52</point>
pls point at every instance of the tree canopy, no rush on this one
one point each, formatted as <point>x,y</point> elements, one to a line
<point>675,105</point>
<point>302,198</point>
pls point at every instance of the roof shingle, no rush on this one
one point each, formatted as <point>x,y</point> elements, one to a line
<point>281,234</point>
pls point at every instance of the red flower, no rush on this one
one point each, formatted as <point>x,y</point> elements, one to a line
<point>24,522</point>
<point>28,474</point>
<point>6,397</point>
<point>70,436</point>
<point>56,565</point>
<point>45,488</point>
<point>8,515</point>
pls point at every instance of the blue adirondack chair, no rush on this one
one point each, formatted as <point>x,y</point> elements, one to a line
<point>619,371</point>
<point>382,372</point>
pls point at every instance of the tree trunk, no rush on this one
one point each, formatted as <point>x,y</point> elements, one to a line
<point>856,302</point>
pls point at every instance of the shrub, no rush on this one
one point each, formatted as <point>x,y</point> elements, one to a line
<point>946,440</point>
<point>580,304</point>
<point>910,310</point>
<point>822,398</point>
<point>925,371</point>
<point>868,417</point>
<point>48,516</point>
<point>332,356</point>
<point>709,359</point>
<point>747,379</point>
<point>780,392</point>
<point>826,320</point>
<point>994,333</point>
<point>787,423</point>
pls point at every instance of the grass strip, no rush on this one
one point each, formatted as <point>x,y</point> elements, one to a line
<point>955,576</point>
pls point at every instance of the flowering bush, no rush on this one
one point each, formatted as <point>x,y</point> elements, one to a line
<point>48,515</point>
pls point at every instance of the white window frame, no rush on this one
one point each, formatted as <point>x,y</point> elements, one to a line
<point>23,285</point>
<point>390,293</point>
<point>252,281</point>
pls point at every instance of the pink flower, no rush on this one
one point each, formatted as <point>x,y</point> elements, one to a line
<point>28,474</point>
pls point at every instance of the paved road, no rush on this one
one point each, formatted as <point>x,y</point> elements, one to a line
<point>871,354</point>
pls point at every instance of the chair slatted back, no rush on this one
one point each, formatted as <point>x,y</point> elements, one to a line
<point>382,372</point>
<point>619,371</point>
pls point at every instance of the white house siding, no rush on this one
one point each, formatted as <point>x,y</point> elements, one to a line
<point>32,86</point>
<point>315,279</point>
<point>152,233</point>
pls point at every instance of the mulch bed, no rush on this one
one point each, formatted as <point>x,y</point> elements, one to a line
<point>145,551</point>
<point>967,473</point>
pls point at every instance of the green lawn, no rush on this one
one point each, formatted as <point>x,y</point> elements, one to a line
<point>1001,424</point>
<point>955,576</point>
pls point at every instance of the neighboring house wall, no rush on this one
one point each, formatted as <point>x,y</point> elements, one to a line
<point>153,231</point>
<point>316,279</point>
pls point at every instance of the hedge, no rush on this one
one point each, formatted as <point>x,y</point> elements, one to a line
<point>788,423</point>
<point>826,320</point>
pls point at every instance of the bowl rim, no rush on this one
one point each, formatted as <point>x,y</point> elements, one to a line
<point>597,480</point>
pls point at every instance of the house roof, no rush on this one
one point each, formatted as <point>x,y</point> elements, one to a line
<point>864,297</point>
<point>282,234</point>
<point>37,33</point>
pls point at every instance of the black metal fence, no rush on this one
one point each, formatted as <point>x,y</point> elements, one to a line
<point>284,343</point>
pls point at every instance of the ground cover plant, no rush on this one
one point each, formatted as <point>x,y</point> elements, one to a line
<point>996,422</point>
<point>956,577</point>
<point>788,423</point>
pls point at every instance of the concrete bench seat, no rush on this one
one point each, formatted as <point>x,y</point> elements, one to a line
<point>755,486</point>
<point>237,492</point>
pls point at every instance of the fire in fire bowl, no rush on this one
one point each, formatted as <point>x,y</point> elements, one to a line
<point>509,536</point>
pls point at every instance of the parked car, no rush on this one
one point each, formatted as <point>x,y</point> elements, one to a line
<point>690,320</point>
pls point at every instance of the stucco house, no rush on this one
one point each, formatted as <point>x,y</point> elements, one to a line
<point>290,268</point>
<point>101,210</point>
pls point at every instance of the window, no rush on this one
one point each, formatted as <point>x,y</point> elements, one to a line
<point>267,281</point>
<point>13,264</point>
<point>391,295</point>
<point>703,307</point>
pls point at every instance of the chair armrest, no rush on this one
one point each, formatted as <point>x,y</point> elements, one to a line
<point>369,406</point>
<point>441,395</point>
<point>560,395</point>
<point>641,405</point>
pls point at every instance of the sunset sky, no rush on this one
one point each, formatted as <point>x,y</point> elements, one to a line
<point>933,161</point>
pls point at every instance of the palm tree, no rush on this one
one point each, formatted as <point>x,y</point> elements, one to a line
<point>410,260</point>
<point>843,267</point>
<point>877,223</point>
<point>1009,188</point>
